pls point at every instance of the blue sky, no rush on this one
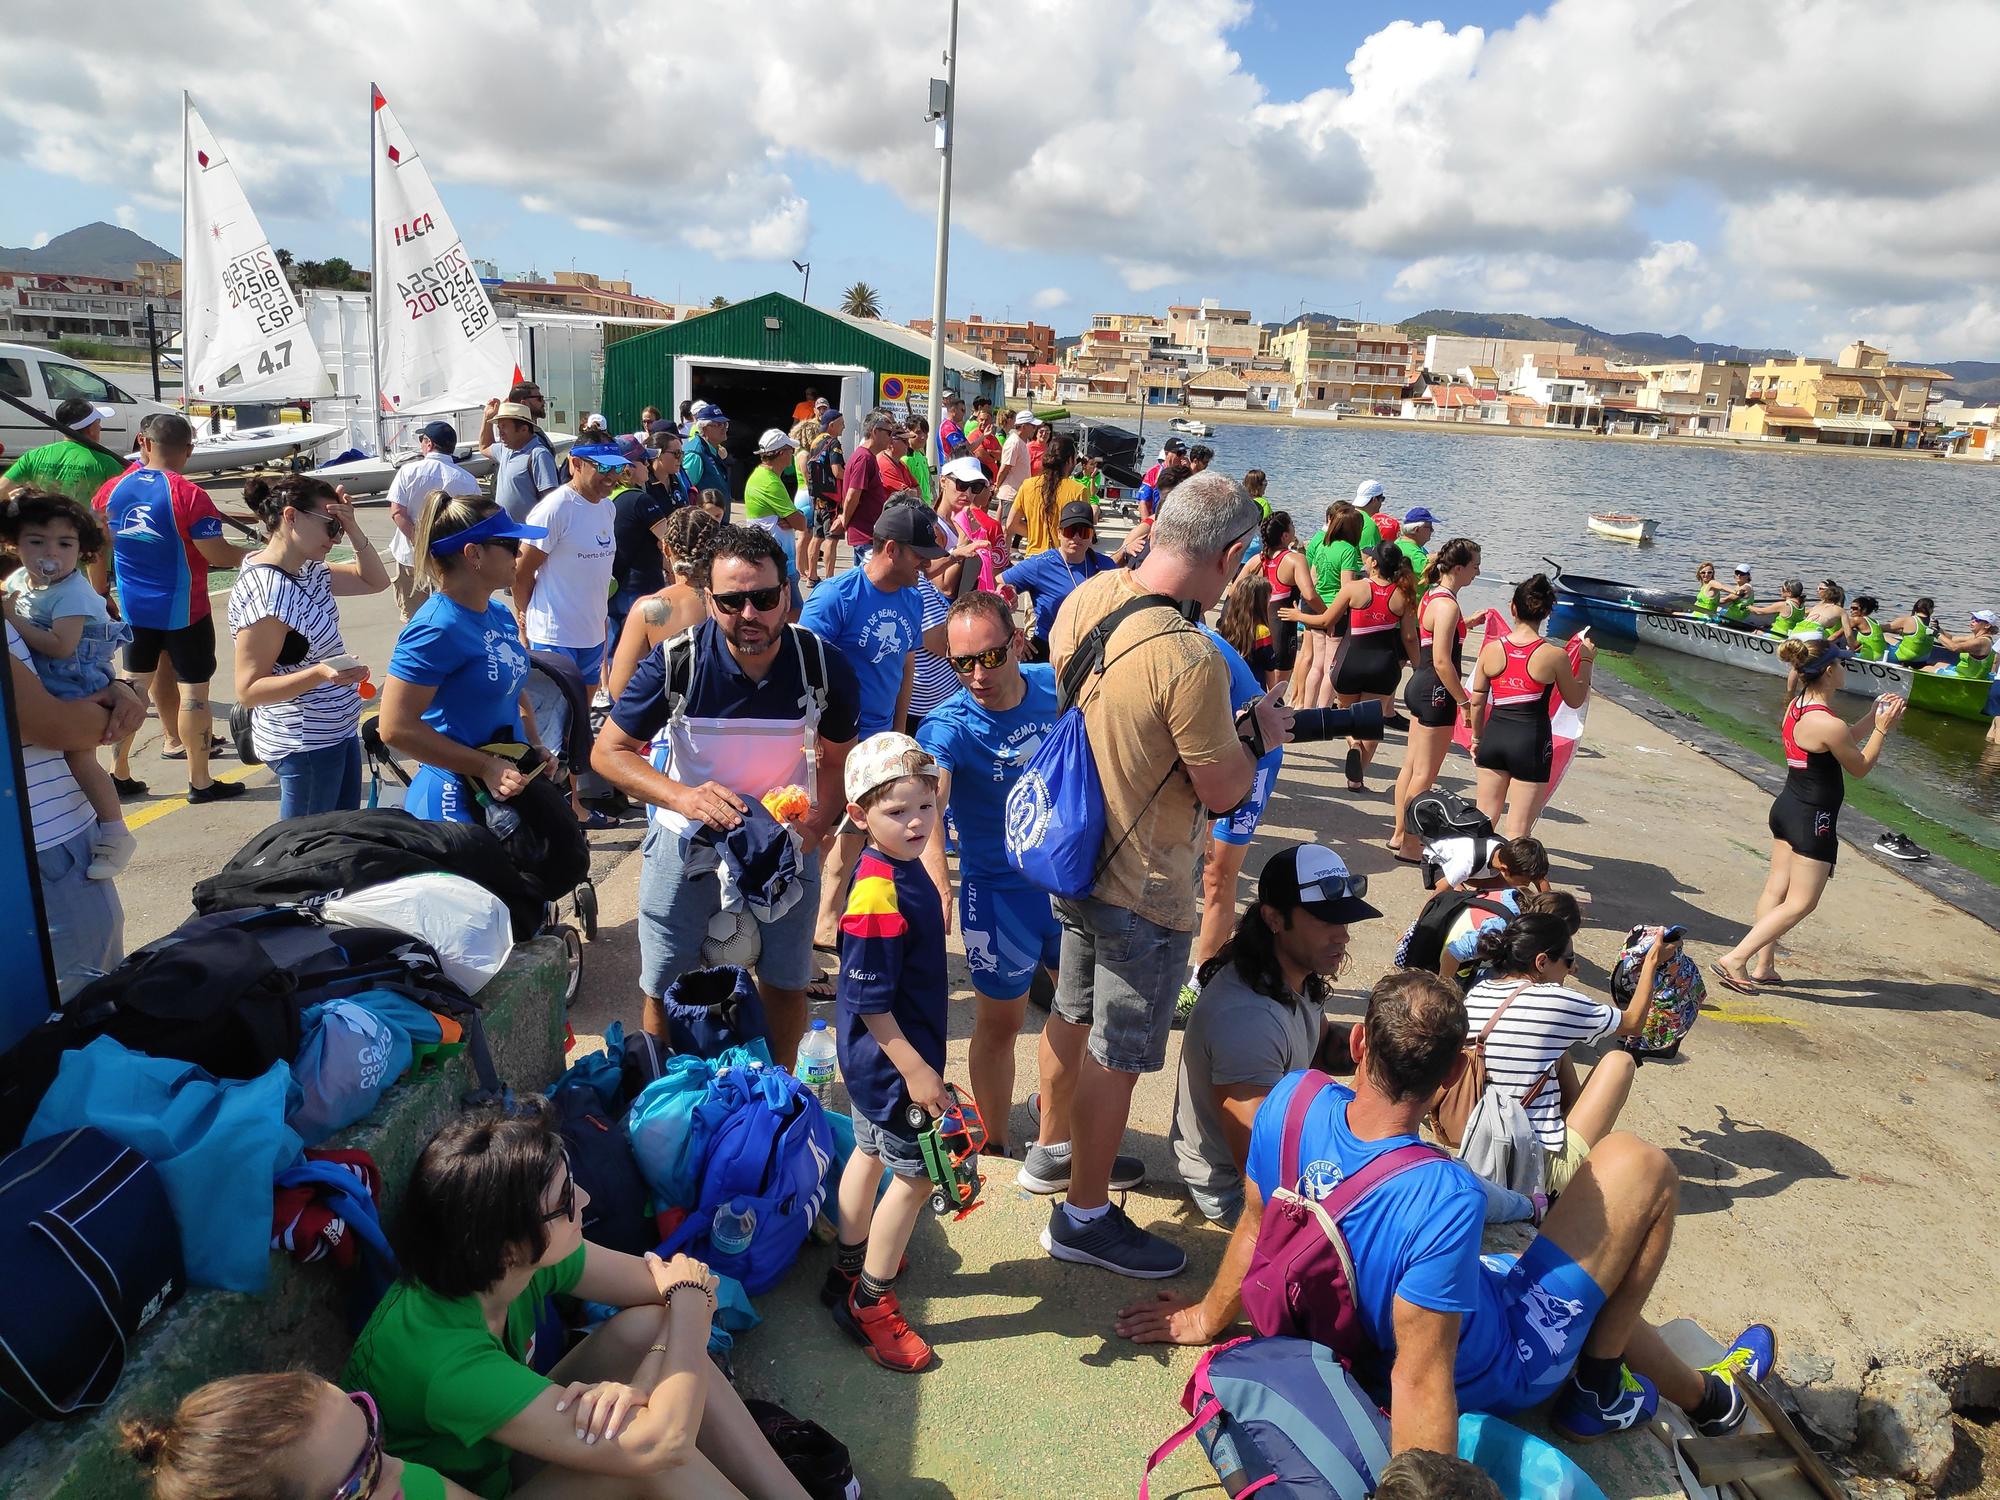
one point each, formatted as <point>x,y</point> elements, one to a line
<point>1630,163</point>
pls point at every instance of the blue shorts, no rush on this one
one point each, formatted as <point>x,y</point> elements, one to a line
<point>1240,827</point>
<point>1009,930</point>
<point>895,1146</point>
<point>589,659</point>
<point>440,797</point>
<point>1549,1302</point>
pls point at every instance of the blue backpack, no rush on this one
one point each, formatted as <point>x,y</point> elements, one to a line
<point>771,1155</point>
<point>1055,811</point>
<point>1282,1417</point>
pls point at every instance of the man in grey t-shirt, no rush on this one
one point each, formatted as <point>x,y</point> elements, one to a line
<point>1261,1015</point>
<point>524,466</point>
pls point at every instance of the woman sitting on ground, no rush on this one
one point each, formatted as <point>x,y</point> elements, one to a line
<point>675,609</point>
<point>492,1225</point>
<point>289,1436</point>
<point>1529,965</point>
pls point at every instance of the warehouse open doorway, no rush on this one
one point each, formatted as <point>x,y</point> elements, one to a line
<point>757,395</point>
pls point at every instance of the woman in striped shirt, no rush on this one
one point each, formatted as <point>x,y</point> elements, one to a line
<point>292,668</point>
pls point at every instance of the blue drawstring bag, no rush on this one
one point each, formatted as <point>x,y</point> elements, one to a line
<point>216,1143</point>
<point>709,1011</point>
<point>672,1121</point>
<point>1055,812</point>
<point>348,1057</point>
<point>1524,1466</point>
<point>343,1192</point>
<point>601,1072</point>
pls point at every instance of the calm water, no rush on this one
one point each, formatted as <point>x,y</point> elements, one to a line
<point>1895,529</point>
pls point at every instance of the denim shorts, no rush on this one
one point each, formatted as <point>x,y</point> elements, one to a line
<point>895,1146</point>
<point>1120,976</point>
<point>1549,1302</point>
<point>1010,931</point>
<point>91,667</point>
<point>674,913</point>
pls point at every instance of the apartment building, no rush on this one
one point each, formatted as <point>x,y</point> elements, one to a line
<point>1215,335</point>
<point>996,342</point>
<point>1859,398</point>
<point>582,292</point>
<point>1443,352</point>
<point>38,307</point>
<point>1320,360</point>
<point>1693,396</point>
<point>1381,361</point>
<point>1580,391</point>
<point>158,279</point>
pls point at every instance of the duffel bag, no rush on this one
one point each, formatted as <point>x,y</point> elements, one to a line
<point>87,1244</point>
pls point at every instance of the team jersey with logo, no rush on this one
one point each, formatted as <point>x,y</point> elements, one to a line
<point>155,519</point>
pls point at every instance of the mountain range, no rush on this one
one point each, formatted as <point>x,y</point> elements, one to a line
<point>98,249</point>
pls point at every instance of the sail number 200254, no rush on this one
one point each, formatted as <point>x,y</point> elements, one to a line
<point>448,282</point>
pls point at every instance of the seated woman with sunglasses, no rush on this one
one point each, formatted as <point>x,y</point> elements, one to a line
<point>292,668</point>
<point>1536,1019</point>
<point>289,1436</point>
<point>492,1225</point>
<point>455,676</point>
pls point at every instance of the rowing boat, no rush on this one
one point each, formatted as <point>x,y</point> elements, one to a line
<point>1655,617</point>
<point>1622,528</point>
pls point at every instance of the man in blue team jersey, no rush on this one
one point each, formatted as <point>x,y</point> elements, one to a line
<point>165,535</point>
<point>1456,1330</point>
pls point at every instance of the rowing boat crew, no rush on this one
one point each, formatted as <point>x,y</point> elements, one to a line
<point>1916,634</point>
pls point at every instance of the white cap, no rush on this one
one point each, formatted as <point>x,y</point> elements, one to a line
<point>97,414</point>
<point>1369,489</point>
<point>774,440</point>
<point>964,470</point>
<point>1986,617</point>
<point>1027,419</point>
<point>1743,567</point>
<point>596,419</point>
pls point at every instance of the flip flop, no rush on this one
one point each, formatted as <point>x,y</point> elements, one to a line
<point>1775,981</point>
<point>1729,980</point>
<point>216,745</point>
<point>1404,859</point>
<point>822,991</point>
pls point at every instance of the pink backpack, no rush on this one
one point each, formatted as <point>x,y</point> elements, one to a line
<point>1301,1277</point>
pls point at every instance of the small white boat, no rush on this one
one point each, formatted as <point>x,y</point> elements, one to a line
<point>1622,528</point>
<point>257,447</point>
<point>364,477</point>
<point>1191,427</point>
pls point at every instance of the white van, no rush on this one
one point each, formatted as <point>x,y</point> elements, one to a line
<point>45,379</point>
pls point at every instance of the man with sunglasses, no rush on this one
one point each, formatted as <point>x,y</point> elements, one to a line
<point>982,740</point>
<point>749,704</point>
<point>1170,755</point>
<point>873,617</point>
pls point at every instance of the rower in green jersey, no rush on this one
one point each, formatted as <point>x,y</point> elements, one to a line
<point>1975,648</point>
<point>1918,630</point>
<point>1789,612</point>
<point>1735,605</point>
<point>1707,593</point>
<point>1871,642</point>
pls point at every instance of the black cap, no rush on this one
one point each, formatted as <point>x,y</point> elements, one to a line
<point>910,524</point>
<point>1314,877</point>
<point>1173,445</point>
<point>1076,513</point>
<point>443,436</point>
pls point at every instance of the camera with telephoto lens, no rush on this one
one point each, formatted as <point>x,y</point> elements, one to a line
<point>1361,722</point>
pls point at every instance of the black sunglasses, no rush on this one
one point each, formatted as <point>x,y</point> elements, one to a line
<point>1079,531</point>
<point>991,660</point>
<point>334,530</point>
<point>972,486</point>
<point>566,1204</point>
<point>761,600</point>
<point>511,543</point>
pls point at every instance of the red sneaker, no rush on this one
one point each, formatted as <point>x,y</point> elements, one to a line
<point>882,1330</point>
<point>839,1284</point>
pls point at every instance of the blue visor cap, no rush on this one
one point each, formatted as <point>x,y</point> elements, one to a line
<point>601,455</point>
<point>498,527</point>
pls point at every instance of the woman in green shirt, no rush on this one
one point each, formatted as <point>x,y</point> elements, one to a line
<point>272,1437</point>
<point>491,1226</point>
<point>1870,641</point>
<point>1335,555</point>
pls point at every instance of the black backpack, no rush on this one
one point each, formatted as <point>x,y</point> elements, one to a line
<point>816,1458</point>
<point>301,858</point>
<point>1439,814</point>
<point>1423,945</point>
<point>539,832</point>
<point>600,1158</point>
<point>215,999</point>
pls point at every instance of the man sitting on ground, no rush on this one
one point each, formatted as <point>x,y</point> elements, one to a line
<point>1455,1333</point>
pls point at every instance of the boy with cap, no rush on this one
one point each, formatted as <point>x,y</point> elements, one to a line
<point>891,1023</point>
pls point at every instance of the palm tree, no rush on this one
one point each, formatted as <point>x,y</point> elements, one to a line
<point>861,301</point>
<point>718,303</point>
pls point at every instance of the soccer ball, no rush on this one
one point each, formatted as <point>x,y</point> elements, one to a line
<point>734,941</point>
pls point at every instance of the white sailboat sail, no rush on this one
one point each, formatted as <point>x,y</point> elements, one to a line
<point>244,333</point>
<point>439,345</point>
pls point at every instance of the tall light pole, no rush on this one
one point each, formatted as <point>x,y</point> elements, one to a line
<point>804,268</point>
<point>943,110</point>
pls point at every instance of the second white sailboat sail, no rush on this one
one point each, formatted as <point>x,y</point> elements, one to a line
<point>244,333</point>
<point>439,345</point>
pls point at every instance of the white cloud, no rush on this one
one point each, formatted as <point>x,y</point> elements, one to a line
<point>39,238</point>
<point>127,215</point>
<point>1766,172</point>
<point>1049,298</point>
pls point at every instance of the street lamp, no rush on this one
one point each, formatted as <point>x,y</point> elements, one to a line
<point>804,268</point>
<point>943,108</point>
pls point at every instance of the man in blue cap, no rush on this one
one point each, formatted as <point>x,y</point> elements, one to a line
<point>706,463</point>
<point>1415,539</point>
<point>437,469</point>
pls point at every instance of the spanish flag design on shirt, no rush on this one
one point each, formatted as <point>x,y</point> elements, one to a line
<point>871,901</point>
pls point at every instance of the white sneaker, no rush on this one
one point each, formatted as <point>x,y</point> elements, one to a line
<point>111,852</point>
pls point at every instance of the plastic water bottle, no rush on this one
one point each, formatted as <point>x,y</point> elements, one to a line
<point>733,1228</point>
<point>816,1062</point>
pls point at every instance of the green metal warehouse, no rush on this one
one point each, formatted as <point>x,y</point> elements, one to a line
<point>756,359</point>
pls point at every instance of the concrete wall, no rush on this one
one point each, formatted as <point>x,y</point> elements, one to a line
<point>300,1320</point>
